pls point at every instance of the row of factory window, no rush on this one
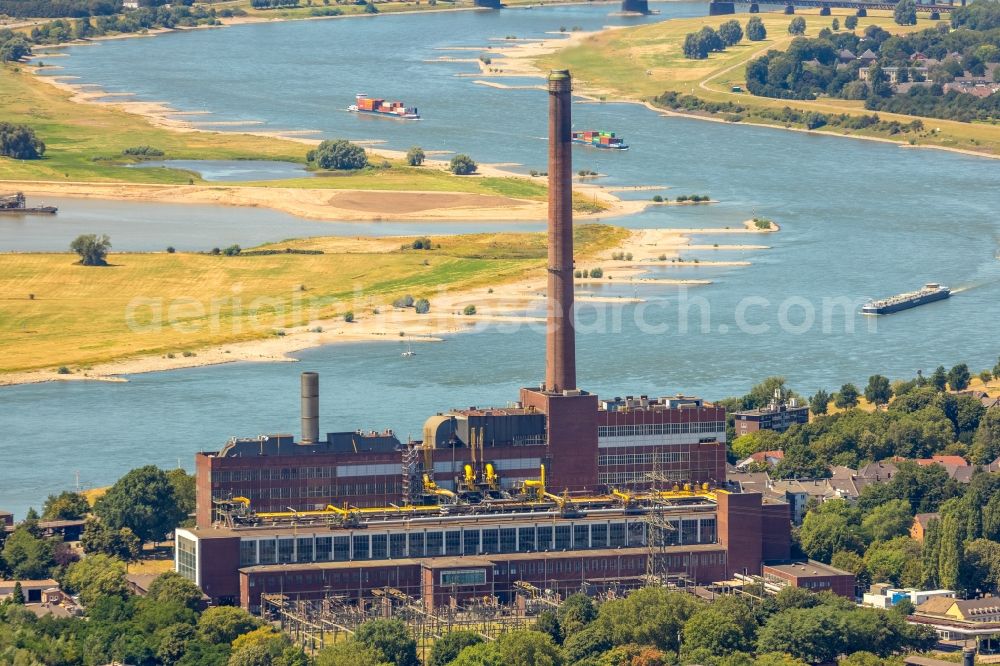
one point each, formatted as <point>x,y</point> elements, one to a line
<point>643,458</point>
<point>343,471</point>
<point>634,429</point>
<point>626,478</point>
<point>275,474</point>
<point>536,570</point>
<point>362,545</point>
<point>393,487</point>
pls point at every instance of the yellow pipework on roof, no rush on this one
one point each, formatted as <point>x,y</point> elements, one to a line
<point>491,476</point>
<point>245,501</point>
<point>537,485</point>
<point>470,475</point>
<point>431,487</point>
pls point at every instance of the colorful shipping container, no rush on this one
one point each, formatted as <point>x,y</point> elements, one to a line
<point>598,139</point>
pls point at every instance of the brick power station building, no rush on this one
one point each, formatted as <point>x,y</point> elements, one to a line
<point>560,490</point>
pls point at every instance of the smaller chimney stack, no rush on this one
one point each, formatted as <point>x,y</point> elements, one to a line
<point>310,407</point>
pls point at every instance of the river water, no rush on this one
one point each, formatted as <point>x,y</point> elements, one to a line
<point>859,219</point>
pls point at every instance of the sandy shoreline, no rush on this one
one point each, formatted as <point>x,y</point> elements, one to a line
<point>309,203</point>
<point>501,305</point>
<point>518,61</point>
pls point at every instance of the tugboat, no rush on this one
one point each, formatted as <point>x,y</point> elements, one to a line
<point>16,204</point>
<point>930,292</point>
<point>379,107</point>
<point>599,139</point>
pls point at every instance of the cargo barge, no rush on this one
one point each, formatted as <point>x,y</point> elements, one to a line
<point>929,293</point>
<point>15,204</point>
<point>598,139</point>
<point>380,107</point>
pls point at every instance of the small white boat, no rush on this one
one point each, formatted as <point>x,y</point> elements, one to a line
<point>409,352</point>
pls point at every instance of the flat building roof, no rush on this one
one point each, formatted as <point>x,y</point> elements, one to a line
<point>806,569</point>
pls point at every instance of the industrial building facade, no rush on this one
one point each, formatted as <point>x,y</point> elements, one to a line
<point>705,536</point>
<point>619,443</point>
<point>559,490</point>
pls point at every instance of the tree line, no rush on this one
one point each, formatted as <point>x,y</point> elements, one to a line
<point>736,112</point>
<point>59,8</point>
<point>811,67</point>
<point>697,45</point>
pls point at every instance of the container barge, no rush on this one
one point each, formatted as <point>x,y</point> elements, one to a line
<point>15,204</point>
<point>598,139</point>
<point>380,107</point>
<point>929,293</point>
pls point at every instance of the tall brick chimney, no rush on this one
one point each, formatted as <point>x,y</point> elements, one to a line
<point>560,366</point>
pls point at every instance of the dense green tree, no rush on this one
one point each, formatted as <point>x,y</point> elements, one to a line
<point>484,654</point>
<point>797,26</point>
<point>830,528</point>
<point>222,624</point>
<point>819,402</point>
<point>415,156</point>
<point>339,154</point>
<point>726,626</point>
<point>65,506</point>
<point>878,391</point>
<point>18,141</point>
<point>648,616</point>
<point>17,595</point>
<point>731,33</point>
<point>548,623</point>
<point>352,653</point>
<point>14,47</point>
<point>905,12</point>
<point>810,634</point>
<point>27,555</point>
<point>752,442</point>
<point>93,249</point>
<point>847,560</point>
<point>173,641</point>
<point>588,643</point>
<point>266,646</point>
<point>939,379</point>
<point>97,537</point>
<point>184,490</point>
<point>528,648</point>
<point>835,25</point>
<point>958,376</point>
<point>389,639</point>
<point>171,587</point>
<point>252,654</point>
<point>896,561</point>
<point>144,501</point>
<point>97,576</point>
<point>462,165</point>
<point>846,397</point>
<point>889,520</point>
<point>986,441</point>
<point>924,487</point>
<point>983,562</point>
<point>446,648</point>
<point>697,45</point>
<point>851,22</point>
<point>575,613</point>
<point>756,32</point>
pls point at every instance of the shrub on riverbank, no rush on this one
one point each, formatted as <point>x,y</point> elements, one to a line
<point>338,154</point>
<point>13,46</point>
<point>462,165</point>
<point>20,142</point>
<point>142,151</point>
